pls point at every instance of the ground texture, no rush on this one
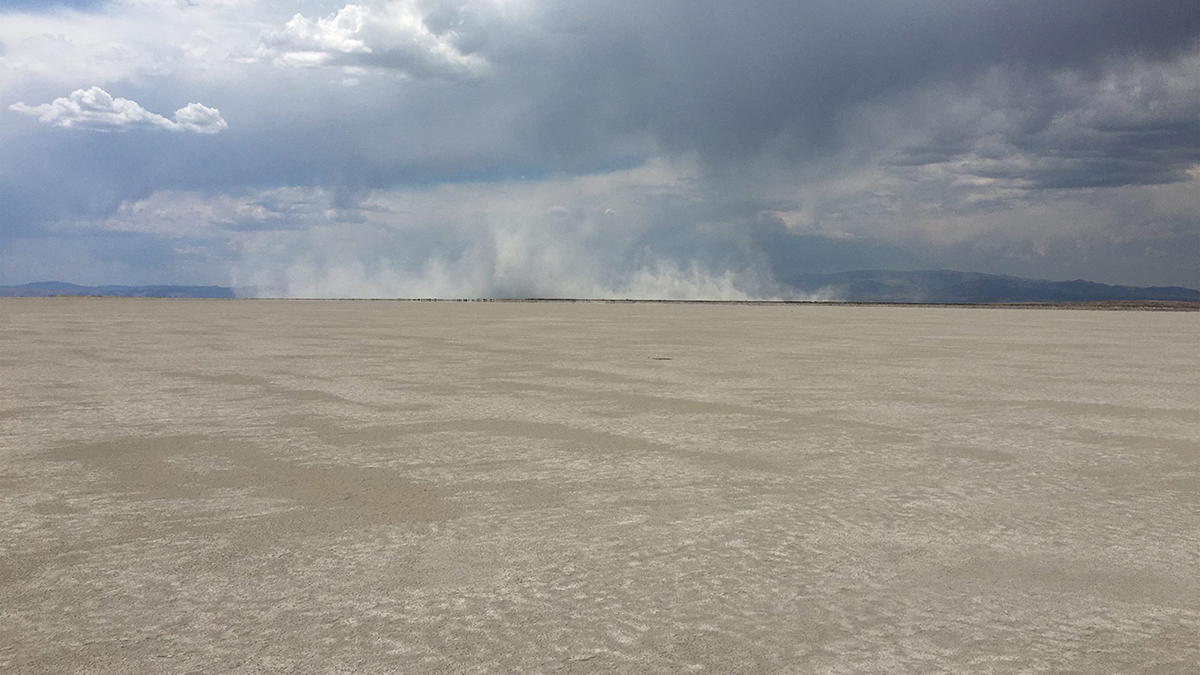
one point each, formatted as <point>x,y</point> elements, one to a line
<point>320,487</point>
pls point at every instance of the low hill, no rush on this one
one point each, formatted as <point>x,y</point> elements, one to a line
<point>44,289</point>
<point>948,286</point>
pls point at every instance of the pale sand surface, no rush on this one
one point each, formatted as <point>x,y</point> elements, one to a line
<point>313,487</point>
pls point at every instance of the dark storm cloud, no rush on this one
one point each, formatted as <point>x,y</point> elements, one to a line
<point>1138,123</point>
<point>735,80</point>
<point>577,86</point>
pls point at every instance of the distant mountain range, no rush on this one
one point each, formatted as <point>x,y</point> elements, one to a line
<point>934,287</point>
<point>44,289</point>
<point>950,287</point>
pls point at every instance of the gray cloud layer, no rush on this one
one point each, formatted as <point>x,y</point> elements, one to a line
<point>1006,136</point>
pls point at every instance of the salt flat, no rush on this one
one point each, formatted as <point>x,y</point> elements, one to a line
<point>285,486</point>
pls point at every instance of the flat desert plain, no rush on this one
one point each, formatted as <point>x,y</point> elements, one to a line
<point>361,487</point>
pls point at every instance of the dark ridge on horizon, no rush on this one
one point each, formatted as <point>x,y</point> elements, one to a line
<point>1163,305</point>
<point>973,288</point>
<point>44,289</point>
<point>927,287</point>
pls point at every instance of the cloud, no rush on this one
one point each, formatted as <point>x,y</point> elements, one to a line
<point>391,36</point>
<point>560,147</point>
<point>97,110</point>
<point>1137,124</point>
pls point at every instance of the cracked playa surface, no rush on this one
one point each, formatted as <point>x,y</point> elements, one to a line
<point>321,487</point>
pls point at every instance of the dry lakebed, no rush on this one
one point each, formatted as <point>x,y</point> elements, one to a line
<point>378,487</point>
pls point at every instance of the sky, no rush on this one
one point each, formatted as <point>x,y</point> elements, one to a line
<point>617,148</point>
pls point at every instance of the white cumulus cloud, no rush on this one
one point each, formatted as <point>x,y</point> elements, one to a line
<point>390,36</point>
<point>97,110</point>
